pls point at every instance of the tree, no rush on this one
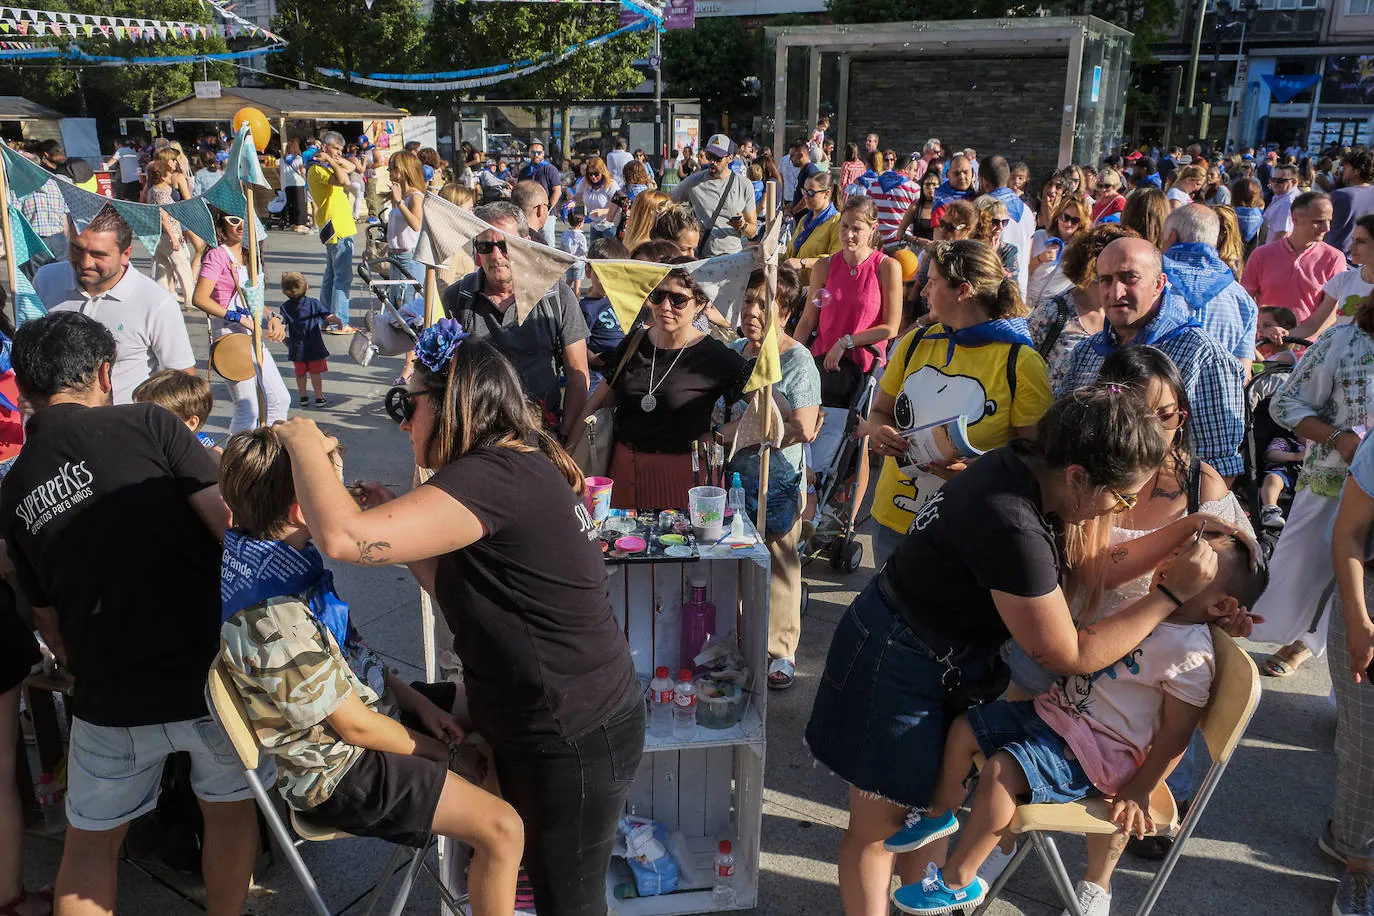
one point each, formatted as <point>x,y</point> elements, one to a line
<point>127,89</point>
<point>345,35</point>
<point>714,61</point>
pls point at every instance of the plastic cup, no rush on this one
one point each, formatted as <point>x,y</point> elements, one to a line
<point>599,498</point>
<point>706,505</point>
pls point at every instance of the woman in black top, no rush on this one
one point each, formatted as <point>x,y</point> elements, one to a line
<point>664,395</point>
<point>500,537</point>
<point>982,563</point>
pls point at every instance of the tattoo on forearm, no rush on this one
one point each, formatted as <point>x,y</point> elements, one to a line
<point>1119,553</point>
<point>373,553</point>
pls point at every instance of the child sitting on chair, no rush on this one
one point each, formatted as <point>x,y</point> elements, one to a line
<point>1115,733</point>
<point>325,705</point>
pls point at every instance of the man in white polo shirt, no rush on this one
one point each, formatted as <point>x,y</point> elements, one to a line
<point>97,280</point>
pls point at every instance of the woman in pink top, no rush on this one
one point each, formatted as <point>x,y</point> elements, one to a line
<point>855,302</point>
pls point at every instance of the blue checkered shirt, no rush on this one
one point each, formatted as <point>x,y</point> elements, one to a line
<point>1212,379</point>
<point>1215,299</point>
<point>45,210</point>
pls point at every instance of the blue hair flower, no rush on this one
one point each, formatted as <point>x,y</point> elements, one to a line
<point>438,342</point>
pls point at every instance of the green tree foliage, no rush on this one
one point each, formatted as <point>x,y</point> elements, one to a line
<point>465,36</point>
<point>346,35</point>
<point>715,62</point>
<point>127,89</point>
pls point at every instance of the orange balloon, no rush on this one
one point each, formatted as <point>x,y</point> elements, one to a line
<point>257,122</point>
<point>910,263</point>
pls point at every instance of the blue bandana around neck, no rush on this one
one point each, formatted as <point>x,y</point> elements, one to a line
<point>812,223</point>
<point>1172,319</point>
<point>945,193</point>
<point>1015,206</point>
<point>891,179</point>
<point>999,330</point>
<point>252,571</point>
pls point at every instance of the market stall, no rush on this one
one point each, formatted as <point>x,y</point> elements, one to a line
<point>21,119</point>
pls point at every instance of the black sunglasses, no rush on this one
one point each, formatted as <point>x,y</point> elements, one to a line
<point>712,157</point>
<point>400,403</point>
<point>678,300</point>
<point>487,247</point>
<point>812,192</point>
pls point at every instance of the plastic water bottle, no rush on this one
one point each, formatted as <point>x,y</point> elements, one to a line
<point>723,887</point>
<point>50,796</point>
<point>735,500</point>
<point>661,703</point>
<point>698,620</point>
<point>684,707</point>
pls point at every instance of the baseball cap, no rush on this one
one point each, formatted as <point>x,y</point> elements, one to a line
<point>1134,155</point>
<point>1272,154</point>
<point>363,141</point>
<point>1247,158</point>
<point>720,145</point>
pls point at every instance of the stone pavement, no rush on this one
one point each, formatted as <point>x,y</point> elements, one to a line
<point>1254,852</point>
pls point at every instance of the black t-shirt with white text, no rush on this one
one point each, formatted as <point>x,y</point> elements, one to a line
<point>97,517</point>
<point>982,532</point>
<point>543,656</point>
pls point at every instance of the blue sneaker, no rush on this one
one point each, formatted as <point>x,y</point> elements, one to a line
<point>1354,895</point>
<point>933,896</point>
<point>921,829</point>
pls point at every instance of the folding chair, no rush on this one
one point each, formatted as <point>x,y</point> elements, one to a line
<point>227,709</point>
<point>1235,694</point>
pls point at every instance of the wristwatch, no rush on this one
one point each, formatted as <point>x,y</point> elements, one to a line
<point>848,341</point>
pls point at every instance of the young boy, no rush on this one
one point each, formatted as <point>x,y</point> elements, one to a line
<point>324,704</point>
<point>187,396</point>
<point>602,322</point>
<point>1115,733</point>
<point>305,317</point>
<point>1283,458</point>
<point>1274,316</point>
<point>574,242</point>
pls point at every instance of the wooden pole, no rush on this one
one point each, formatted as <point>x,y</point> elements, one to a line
<point>251,233</point>
<point>431,295</point>
<point>10,266</point>
<point>770,273</point>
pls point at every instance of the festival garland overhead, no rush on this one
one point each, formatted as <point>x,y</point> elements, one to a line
<point>38,23</point>
<point>73,53</point>
<point>482,76</point>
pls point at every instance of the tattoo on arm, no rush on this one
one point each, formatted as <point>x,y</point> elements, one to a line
<point>373,553</point>
<point>1158,492</point>
<point>1117,846</point>
<point>1119,553</point>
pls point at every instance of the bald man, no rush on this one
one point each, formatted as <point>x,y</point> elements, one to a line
<point>1143,310</point>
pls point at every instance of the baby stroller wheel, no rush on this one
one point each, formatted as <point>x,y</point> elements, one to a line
<point>853,556</point>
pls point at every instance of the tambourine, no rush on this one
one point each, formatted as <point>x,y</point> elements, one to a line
<point>231,356</point>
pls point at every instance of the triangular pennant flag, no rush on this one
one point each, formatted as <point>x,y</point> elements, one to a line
<point>23,28</point>
<point>536,268</point>
<point>27,305</point>
<point>27,242</point>
<point>26,176</point>
<point>195,216</point>
<point>447,229</point>
<point>90,30</point>
<point>226,195</point>
<point>243,165</point>
<point>105,30</point>
<point>749,430</point>
<point>768,366</point>
<point>144,219</point>
<point>82,206</point>
<point>627,285</point>
<point>768,245</point>
<point>725,278</point>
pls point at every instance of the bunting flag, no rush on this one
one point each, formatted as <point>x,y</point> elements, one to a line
<point>537,268</point>
<point>768,367</point>
<point>27,305</point>
<point>195,216</point>
<point>446,229</point>
<point>749,429</point>
<point>144,219</point>
<point>82,205</point>
<point>25,175</point>
<point>725,278</point>
<point>627,285</point>
<point>27,242</point>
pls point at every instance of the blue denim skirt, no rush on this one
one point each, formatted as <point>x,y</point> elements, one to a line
<point>881,712</point>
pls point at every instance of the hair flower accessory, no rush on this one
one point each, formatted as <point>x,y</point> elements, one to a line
<point>438,342</point>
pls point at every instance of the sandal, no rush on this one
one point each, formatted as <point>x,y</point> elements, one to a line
<point>1286,661</point>
<point>782,672</point>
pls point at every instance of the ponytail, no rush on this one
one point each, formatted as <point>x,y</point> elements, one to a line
<point>1009,301</point>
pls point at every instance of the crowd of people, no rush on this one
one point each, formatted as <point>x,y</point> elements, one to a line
<point>1039,595</point>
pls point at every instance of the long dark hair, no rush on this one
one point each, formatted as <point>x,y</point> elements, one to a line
<point>478,403</point>
<point>1105,429</point>
<point>1134,368</point>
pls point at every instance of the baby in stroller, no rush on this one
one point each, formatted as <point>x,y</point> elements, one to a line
<point>1282,461</point>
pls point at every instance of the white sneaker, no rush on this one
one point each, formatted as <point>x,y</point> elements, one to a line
<point>995,864</point>
<point>1092,900</point>
<point>1271,517</point>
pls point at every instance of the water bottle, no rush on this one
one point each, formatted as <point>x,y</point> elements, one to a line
<point>661,703</point>
<point>684,707</point>
<point>735,500</point>
<point>698,618</point>
<point>50,795</point>
<point>723,888</point>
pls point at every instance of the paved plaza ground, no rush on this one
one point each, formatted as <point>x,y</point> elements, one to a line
<point>1255,851</point>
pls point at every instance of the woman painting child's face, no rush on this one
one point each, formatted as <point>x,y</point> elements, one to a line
<point>421,423</point>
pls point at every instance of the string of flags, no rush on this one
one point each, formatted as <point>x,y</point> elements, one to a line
<point>74,53</point>
<point>39,23</point>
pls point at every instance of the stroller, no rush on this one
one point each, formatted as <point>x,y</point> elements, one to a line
<point>836,487</point>
<point>1261,429</point>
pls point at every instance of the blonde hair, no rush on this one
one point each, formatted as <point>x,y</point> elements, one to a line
<point>407,165</point>
<point>975,263</point>
<point>987,205</point>
<point>595,167</point>
<point>459,195</point>
<point>256,484</point>
<point>643,212</point>
<point>1230,245</point>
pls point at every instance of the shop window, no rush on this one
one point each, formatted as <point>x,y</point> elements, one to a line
<point>1361,7</point>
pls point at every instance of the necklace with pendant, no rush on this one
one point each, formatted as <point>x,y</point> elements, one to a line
<point>649,402</point>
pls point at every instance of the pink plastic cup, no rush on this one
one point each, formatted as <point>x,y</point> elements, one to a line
<point>599,498</point>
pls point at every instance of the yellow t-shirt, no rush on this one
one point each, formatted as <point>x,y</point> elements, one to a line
<point>331,203</point>
<point>975,385</point>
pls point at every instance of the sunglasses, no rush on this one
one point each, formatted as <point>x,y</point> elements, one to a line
<point>400,403</point>
<point>1071,220</point>
<point>233,222</point>
<point>1106,187</point>
<point>487,247</point>
<point>953,227</point>
<point>889,158</point>
<point>678,300</point>
<point>1000,223</point>
<point>1125,502</point>
<point>1172,419</point>
<point>712,157</point>
<point>809,192</point>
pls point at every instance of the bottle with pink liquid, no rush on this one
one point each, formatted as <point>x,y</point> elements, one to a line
<point>698,620</point>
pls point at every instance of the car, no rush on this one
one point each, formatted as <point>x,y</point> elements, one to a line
<point>505,146</point>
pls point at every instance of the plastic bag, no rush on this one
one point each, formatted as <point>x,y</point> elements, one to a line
<point>646,852</point>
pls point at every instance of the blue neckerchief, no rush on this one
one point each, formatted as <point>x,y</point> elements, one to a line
<point>252,571</point>
<point>206,440</point>
<point>1153,180</point>
<point>758,190</point>
<point>1172,319</point>
<point>944,194</point>
<point>1015,207</point>
<point>812,223</point>
<point>890,179</point>
<point>867,179</point>
<point>1250,219</point>
<point>999,330</point>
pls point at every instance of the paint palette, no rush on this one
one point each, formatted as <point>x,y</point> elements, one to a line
<point>628,536</point>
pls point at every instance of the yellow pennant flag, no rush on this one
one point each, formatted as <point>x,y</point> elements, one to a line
<point>627,285</point>
<point>768,367</point>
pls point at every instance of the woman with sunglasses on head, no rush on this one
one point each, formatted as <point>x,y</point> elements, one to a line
<point>501,539</point>
<point>1070,220</point>
<point>224,295</point>
<point>664,392</point>
<point>818,231</point>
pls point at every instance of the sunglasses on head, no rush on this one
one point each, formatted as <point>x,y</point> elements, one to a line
<point>953,227</point>
<point>1125,502</point>
<point>483,247</point>
<point>677,300</point>
<point>400,403</point>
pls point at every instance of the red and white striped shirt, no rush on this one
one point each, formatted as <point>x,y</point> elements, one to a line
<point>893,204</point>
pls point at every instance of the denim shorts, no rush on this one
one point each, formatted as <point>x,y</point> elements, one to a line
<point>114,773</point>
<point>1026,673</point>
<point>880,717</point>
<point>1016,728</point>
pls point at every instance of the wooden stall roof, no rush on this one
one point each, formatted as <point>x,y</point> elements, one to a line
<point>18,108</point>
<point>292,104</point>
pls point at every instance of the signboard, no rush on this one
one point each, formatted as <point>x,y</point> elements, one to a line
<point>1287,88</point>
<point>422,128</point>
<point>680,14</point>
<point>207,89</point>
<point>380,133</point>
<point>1097,84</point>
<point>686,132</point>
<point>1349,80</point>
<point>1291,110</point>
